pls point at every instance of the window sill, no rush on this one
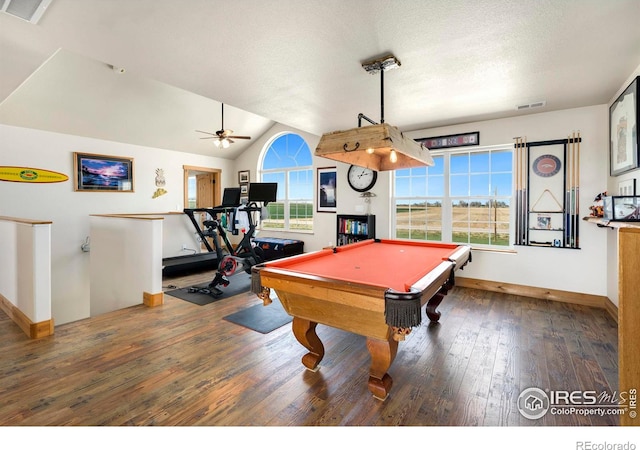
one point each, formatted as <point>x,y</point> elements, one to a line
<point>510,251</point>
<point>280,230</point>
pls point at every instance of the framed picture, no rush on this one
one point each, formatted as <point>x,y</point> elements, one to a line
<point>326,195</point>
<point>244,190</point>
<point>452,140</point>
<point>627,187</point>
<point>243,176</point>
<point>623,131</point>
<point>102,173</point>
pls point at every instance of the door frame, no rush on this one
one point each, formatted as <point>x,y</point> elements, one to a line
<point>216,185</point>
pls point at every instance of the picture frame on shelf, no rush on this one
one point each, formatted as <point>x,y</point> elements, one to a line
<point>624,142</point>
<point>326,180</point>
<point>627,187</point>
<point>243,176</point>
<point>102,173</point>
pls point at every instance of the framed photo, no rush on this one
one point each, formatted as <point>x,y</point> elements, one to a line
<point>544,222</point>
<point>326,195</point>
<point>452,140</point>
<point>102,173</point>
<point>627,187</point>
<point>244,190</point>
<point>243,176</point>
<point>623,131</point>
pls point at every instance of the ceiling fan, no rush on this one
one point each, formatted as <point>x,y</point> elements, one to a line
<point>223,138</point>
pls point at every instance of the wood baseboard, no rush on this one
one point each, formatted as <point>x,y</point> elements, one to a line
<point>596,301</point>
<point>34,330</point>
<point>152,300</point>
<point>611,308</point>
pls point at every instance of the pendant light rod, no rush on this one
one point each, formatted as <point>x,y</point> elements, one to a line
<point>382,96</point>
<point>379,65</point>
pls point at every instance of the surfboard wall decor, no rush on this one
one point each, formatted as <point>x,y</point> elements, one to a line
<point>30,175</point>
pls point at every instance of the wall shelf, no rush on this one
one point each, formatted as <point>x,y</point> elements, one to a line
<point>354,228</point>
<point>603,223</point>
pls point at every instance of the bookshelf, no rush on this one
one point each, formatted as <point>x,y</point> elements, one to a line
<point>354,228</point>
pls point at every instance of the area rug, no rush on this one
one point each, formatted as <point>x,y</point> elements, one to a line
<point>197,294</point>
<point>260,318</point>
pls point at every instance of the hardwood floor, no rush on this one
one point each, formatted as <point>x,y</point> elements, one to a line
<point>182,364</point>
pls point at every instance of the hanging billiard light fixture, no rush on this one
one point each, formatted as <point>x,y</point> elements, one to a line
<point>378,146</point>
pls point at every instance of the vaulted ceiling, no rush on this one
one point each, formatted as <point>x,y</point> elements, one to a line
<point>298,62</point>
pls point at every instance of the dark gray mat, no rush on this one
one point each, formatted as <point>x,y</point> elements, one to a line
<point>263,319</point>
<point>239,283</point>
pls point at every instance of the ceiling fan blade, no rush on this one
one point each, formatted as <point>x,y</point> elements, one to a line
<point>240,137</point>
<point>205,132</point>
<point>209,137</point>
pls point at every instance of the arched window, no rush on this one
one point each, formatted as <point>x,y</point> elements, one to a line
<point>287,161</point>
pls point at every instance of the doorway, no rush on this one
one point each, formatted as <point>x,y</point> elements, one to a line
<point>201,187</point>
<point>201,190</point>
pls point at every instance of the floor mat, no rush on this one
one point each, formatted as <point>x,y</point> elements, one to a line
<point>198,294</point>
<point>263,319</point>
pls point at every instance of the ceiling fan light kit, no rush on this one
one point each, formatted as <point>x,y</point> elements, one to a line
<point>380,147</point>
<point>223,137</point>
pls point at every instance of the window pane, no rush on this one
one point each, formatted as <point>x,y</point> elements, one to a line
<point>403,219</point>
<point>418,186</point>
<point>479,185</point>
<point>403,186</point>
<point>301,215</point>
<point>479,162</point>
<point>435,186</point>
<point>459,185</point>
<point>276,177</point>
<point>438,167</point>
<point>460,163</point>
<point>300,184</point>
<point>501,184</point>
<point>418,224</point>
<point>288,150</point>
<point>501,161</point>
<point>276,216</point>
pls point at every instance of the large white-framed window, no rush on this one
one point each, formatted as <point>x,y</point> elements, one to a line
<point>464,198</point>
<point>287,160</point>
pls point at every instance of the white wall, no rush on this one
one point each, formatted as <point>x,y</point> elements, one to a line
<point>69,211</point>
<point>582,271</point>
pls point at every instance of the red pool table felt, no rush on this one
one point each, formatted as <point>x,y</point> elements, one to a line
<point>384,263</point>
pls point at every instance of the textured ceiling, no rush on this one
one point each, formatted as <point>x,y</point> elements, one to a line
<point>298,62</point>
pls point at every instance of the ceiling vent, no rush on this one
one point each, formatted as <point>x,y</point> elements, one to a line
<point>531,105</point>
<point>29,10</point>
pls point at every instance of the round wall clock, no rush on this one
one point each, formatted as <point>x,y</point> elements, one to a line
<point>361,179</point>
<point>546,165</point>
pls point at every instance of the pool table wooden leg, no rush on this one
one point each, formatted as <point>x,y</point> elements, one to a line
<point>305,332</point>
<point>382,355</point>
<point>432,305</point>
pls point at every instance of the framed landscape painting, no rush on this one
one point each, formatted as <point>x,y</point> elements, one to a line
<point>326,195</point>
<point>102,173</point>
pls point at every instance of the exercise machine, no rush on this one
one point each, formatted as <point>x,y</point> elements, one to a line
<point>242,218</point>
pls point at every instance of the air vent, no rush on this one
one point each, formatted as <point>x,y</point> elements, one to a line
<point>29,10</point>
<point>531,105</point>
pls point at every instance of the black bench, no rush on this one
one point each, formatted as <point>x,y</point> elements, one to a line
<point>275,248</point>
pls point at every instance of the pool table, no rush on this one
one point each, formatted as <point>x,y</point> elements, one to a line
<point>375,288</point>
